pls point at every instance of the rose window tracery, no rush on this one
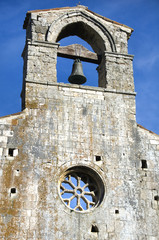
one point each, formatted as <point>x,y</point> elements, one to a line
<point>80,190</point>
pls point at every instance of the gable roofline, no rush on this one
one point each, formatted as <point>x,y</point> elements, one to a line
<point>78,6</point>
<point>140,126</point>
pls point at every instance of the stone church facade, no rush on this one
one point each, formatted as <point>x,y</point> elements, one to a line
<point>75,164</point>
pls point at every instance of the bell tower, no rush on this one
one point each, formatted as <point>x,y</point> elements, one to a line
<point>75,164</point>
<point>107,38</point>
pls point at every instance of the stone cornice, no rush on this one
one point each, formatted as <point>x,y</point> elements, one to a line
<point>90,88</point>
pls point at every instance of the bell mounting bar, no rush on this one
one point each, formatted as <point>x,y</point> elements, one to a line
<point>75,51</point>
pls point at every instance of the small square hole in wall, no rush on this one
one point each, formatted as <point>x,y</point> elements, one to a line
<point>116,211</point>
<point>98,158</point>
<point>156,198</point>
<point>13,190</point>
<point>143,164</point>
<point>11,152</point>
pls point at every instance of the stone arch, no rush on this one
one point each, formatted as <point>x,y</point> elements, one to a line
<point>84,26</point>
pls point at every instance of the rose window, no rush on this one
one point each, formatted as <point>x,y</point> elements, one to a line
<point>81,189</point>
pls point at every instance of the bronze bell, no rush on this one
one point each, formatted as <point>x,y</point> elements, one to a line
<point>77,75</point>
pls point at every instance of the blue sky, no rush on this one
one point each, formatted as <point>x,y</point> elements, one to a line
<point>141,15</point>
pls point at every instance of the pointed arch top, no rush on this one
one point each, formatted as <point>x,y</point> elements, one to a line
<point>84,26</point>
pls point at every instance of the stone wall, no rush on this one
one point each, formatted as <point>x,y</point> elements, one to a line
<point>65,126</point>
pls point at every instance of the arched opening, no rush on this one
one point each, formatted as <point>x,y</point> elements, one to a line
<point>84,26</point>
<point>64,65</point>
<point>94,229</point>
<point>92,32</point>
<point>85,32</point>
